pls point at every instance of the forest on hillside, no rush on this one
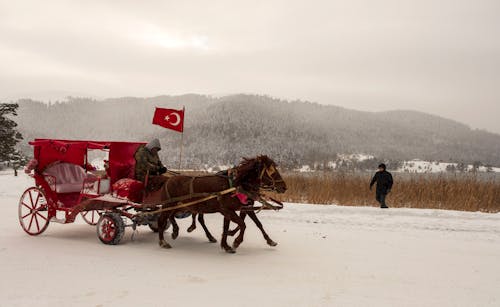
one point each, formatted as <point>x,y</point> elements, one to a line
<point>221,130</point>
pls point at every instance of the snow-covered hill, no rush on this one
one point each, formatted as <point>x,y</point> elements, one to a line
<point>220,130</point>
<point>327,256</point>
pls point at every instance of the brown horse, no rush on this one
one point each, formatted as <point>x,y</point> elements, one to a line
<point>252,177</point>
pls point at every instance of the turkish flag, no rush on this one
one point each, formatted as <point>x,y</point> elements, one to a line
<point>169,118</point>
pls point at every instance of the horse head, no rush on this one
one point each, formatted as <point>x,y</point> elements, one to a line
<point>259,173</point>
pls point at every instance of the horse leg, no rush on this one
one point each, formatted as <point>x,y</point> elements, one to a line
<point>223,240</point>
<point>162,224</point>
<point>236,219</point>
<point>201,219</point>
<point>193,224</point>
<point>175,226</point>
<point>257,222</point>
<point>237,228</point>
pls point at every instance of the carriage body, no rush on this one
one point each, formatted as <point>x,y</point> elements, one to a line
<point>65,187</point>
<point>65,184</point>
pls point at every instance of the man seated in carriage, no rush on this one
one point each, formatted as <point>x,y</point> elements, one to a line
<point>147,161</point>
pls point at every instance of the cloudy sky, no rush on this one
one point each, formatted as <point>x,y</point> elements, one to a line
<point>436,56</point>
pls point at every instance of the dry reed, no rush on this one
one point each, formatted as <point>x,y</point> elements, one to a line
<point>463,192</point>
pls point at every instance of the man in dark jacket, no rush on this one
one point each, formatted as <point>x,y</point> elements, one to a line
<point>384,184</point>
<point>147,161</point>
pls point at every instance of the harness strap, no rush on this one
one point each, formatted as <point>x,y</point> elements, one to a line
<point>194,202</point>
<point>191,186</point>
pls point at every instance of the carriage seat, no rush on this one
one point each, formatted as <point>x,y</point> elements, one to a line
<point>68,177</point>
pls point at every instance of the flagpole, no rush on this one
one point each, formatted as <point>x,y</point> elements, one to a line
<point>182,139</point>
<point>180,152</point>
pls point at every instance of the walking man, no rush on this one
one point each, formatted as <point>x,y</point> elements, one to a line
<point>384,184</point>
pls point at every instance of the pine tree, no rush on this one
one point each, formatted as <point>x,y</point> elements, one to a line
<point>18,159</point>
<point>9,136</point>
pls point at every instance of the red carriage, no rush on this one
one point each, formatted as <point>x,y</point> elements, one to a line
<point>66,186</point>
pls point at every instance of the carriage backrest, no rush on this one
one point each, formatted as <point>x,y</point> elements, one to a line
<point>68,177</point>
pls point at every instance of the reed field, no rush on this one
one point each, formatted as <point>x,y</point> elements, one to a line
<point>464,192</point>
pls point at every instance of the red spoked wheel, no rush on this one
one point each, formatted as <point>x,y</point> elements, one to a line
<point>110,228</point>
<point>91,217</point>
<point>33,211</point>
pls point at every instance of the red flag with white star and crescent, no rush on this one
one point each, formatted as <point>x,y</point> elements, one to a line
<point>169,118</point>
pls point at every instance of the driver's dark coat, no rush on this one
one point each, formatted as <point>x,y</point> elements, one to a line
<point>146,161</point>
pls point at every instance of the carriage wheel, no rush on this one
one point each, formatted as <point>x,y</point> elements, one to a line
<point>91,217</point>
<point>110,228</point>
<point>33,211</point>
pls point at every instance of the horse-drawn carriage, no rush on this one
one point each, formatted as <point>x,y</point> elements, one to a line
<point>67,185</point>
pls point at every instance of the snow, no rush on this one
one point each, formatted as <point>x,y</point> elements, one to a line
<point>355,157</point>
<point>420,166</point>
<point>327,256</point>
<point>413,166</point>
<point>304,169</point>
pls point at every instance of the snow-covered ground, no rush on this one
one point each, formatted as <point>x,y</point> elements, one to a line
<point>327,256</point>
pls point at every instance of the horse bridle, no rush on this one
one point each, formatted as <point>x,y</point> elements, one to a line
<point>266,172</point>
<point>269,171</point>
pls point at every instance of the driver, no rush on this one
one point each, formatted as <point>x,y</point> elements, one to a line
<point>147,160</point>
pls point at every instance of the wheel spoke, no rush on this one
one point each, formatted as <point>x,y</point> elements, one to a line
<point>37,198</point>
<point>31,200</point>
<point>40,215</point>
<point>31,222</point>
<point>91,217</point>
<point>27,206</point>
<point>36,221</point>
<point>24,216</point>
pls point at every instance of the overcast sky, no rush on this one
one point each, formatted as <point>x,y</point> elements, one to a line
<point>440,57</point>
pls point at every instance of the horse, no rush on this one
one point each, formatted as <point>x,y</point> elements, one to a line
<point>252,176</point>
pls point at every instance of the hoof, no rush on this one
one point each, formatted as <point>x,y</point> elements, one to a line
<point>236,244</point>
<point>271,243</point>
<point>175,235</point>
<point>164,244</point>
<point>230,251</point>
<point>212,240</point>
<point>190,229</point>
